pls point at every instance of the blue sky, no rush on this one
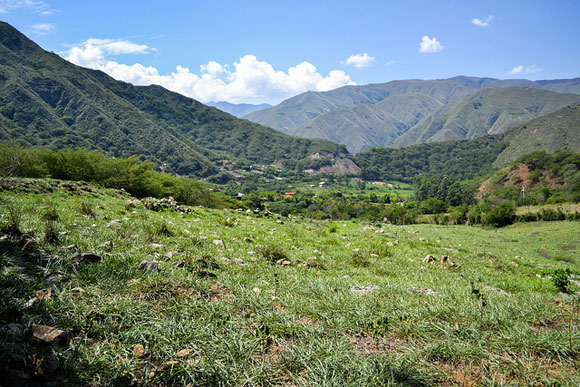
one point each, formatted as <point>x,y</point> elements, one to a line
<point>266,51</point>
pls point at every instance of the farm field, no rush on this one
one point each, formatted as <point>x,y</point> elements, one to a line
<point>224,297</point>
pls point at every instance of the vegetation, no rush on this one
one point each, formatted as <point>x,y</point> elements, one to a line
<point>261,302</point>
<point>537,178</point>
<point>47,101</point>
<point>138,178</point>
<point>460,160</point>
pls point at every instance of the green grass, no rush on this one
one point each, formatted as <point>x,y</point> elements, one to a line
<point>248,319</point>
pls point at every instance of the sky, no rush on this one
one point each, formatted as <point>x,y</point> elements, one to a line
<point>267,51</point>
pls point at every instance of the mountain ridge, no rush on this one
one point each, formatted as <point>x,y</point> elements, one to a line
<point>47,101</point>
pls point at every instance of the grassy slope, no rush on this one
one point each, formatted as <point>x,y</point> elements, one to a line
<point>258,322</point>
<point>45,100</point>
<point>489,111</point>
<point>558,130</point>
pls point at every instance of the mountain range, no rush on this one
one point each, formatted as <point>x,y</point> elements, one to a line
<point>47,101</point>
<point>362,117</point>
<point>239,109</point>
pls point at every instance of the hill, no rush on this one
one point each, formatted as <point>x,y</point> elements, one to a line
<point>488,111</point>
<point>365,126</point>
<point>240,109</point>
<point>467,159</point>
<point>536,178</point>
<point>47,101</point>
<point>557,130</point>
<point>302,108</point>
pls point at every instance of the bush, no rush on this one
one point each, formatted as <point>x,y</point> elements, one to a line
<point>491,214</point>
<point>560,279</point>
<point>432,206</point>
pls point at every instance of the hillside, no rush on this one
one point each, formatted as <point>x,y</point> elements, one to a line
<point>47,101</point>
<point>365,126</point>
<point>302,108</point>
<point>488,111</point>
<point>466,159</point>
<point>239,110</point>
<point>536,178</point>
<point>557,130</point>
<point>98,289</point>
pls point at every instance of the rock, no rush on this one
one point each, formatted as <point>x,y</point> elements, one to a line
<point>257,290</point>
<point>443,259</point>
<point>184,352</point>
<point>114,223</point>
<point>148,265</point>
<point>87,258</point>
<point>71,247</point>
<point>364,289</point>
<point>106,245</point>
<point>427,291</point>
<point>139,350</point>
<point>156,246</point>
<point>380,231</point>
<point>429,259</point>
<point>500,291</point>
<point>219,243</point>
<point>248,240</point>
<point>390,244</point>
<point>44,294</point>
<point>283,262</point>
<point>50,335</point>
<point>421,239</point>
<point>30,302</point>
<point>346,276</point>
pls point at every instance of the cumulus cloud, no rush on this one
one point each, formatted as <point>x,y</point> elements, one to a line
<point>521,69</point>
<point>430,45</point>
<point>359,61</point>
<point>42,29</point>
<point>248,80</point>
<point>482,22</point>
<point>12,5</point>
<point>93,52</point>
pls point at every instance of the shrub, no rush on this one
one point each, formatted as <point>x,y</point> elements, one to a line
<point>433,206</point>
<point>491,214</point>
<point>560,279</point>
<point>273,253</point>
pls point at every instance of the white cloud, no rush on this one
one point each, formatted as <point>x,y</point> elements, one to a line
<point>42,29</point>
<point>390,62</point>
<point>12,5</point>
<point>520,69</point>
<point>429,45</point>
<point>93,52</point>
<point>482,22</point>
<point>250,80</point>
<point>516,70</point>
<point>359,61</point>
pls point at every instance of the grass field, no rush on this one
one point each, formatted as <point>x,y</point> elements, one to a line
<point>240,299</point>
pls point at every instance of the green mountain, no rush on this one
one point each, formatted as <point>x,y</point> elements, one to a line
<point>488,111</point>
<point>467,159</point>
<point>47,101</point>
<point>364,126</point>
<point>557,130</point>
<point>298,110</point>
<point>238,109</point>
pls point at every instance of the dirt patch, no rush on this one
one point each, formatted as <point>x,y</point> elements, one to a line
<point>374,345</point>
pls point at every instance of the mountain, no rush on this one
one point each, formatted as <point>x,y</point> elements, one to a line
<point>302,108</point>
<point>47,101</point>
<point>467,159</point>
<point>239,110</point>
<point>557,130</point>
<point>365,126</point>
<point>489,111</point>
